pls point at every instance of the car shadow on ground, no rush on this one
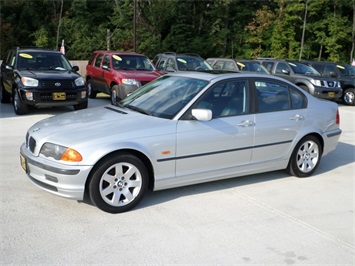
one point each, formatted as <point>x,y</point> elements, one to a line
<point>7,110</point>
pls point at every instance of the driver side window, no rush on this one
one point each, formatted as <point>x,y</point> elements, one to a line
<point>229,98</point>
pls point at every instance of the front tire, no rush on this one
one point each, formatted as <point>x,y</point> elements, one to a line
<point>81,106</point>
<point>115,95</point>
<point>19,107</point>
<point>305,157</point>
<point>91,92</point>
<point>118,183</point>
<point>349,97</point>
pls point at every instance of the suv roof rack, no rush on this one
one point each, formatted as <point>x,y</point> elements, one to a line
<point>34,48</point>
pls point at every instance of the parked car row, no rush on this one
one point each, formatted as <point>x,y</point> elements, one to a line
<point>43,78</point>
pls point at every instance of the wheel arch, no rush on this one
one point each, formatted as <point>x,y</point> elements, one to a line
<point>314,134</point>
<point>147,163</point>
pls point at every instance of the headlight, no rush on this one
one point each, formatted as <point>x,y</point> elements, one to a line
<point>79,81</point>
<point>30,82</point>
<point>316,82</point>
<point>58,152</point>
<point>129,81</point>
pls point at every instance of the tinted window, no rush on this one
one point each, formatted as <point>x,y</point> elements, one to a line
<point>282,68</point>
<point>328,69</point>
<point>272,96</point>
<point>268,65</point>
<point>98,60</point>
<point>42,61</point>
<point>106,61</point>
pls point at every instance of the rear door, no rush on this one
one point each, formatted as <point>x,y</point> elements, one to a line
<point>280,112</point>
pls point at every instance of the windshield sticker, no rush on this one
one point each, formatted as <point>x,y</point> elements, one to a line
<point>240,64</point>
<point>182,60</point>
<point>25,55</point>
<point>341,67</point>
<point>117,57</point>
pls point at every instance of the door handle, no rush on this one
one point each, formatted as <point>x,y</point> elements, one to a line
<point>246,123</point>
<point>297,117</point>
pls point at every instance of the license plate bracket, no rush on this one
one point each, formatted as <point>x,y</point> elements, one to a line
<point>23,163</point>
<point>59,96</point>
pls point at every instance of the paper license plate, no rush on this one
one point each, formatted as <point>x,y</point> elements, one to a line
<point>331,94</point>
<point>23,163</point>
<point>58,96</point>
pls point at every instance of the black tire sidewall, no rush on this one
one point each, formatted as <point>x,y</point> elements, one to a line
<point>99,170</point>
<point>19,107</point>
<point>91,92</point>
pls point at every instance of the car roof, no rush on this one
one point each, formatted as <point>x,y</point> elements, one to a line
<point>222,74</point>
<point>117,52</point>
<point>42,50</point>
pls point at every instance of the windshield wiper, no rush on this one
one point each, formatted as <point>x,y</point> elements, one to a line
<point>137,109</point>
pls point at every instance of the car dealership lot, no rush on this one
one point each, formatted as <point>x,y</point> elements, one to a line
<point>270,218</point>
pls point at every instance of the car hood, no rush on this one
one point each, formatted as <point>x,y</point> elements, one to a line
<point>49,74</point>
<point>140,75</point>
<point>107,123</point>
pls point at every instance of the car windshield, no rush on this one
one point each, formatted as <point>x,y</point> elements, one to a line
<point>346,70</point>
<point>42,61</point>
<point>252,66</point>
<point>131,62</point>
<point>188,63</point>
<point>303,69</point>
<point>164,97</point>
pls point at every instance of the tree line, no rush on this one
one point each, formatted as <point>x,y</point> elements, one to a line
<point>292,29</point>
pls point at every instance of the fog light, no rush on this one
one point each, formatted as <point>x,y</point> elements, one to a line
<point>83,94</point>
<point>29,96</point>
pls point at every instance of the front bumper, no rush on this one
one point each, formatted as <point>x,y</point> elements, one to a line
<point>327,93</point>
<point>48,98</point>
<point>60,179</point>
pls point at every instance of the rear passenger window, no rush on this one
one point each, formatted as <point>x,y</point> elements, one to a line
<point>273,96</point>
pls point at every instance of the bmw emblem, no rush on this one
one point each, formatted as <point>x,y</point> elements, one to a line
<point>57,84</point>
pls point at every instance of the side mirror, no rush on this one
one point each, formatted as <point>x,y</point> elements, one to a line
<point>170,69</point>
<point>202,114</point>
<point>75,68</point>
<point>7,67</point>
<point>333,74</point>
<point>286,72</point>
<point>105,68</point>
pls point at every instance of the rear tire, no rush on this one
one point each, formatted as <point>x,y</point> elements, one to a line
<point>19,107</point>
<point>305,157</point>
<point>118,183</point>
